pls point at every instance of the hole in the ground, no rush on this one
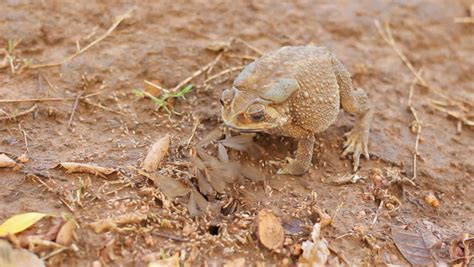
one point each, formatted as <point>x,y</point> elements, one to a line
<point>213,229</point>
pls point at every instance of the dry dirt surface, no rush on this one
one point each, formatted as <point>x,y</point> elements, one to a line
<point>200,207</point>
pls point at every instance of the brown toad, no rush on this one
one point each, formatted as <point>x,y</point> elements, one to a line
<point>297,91</point>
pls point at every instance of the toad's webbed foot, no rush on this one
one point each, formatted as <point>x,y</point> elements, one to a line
<point>356,143</point>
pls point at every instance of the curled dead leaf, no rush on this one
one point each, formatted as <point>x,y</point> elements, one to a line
<point>6,162</point>
<point>113,223</point>
<point>66,233</point>
<point>156,154</point>
<point>72,167</point>
<point>270,230</point>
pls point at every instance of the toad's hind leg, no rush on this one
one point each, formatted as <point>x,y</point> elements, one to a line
<point>356,102</point>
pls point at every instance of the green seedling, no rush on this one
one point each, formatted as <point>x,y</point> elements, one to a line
<point>163,99</point>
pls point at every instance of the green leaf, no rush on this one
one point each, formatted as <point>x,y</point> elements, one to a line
<point>138,92</point>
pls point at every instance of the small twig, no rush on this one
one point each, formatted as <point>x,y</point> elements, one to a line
<point>87,101</point>
<point>377,212</point>
<point>52,99</point>
<point>50,84</point>
<point>156,86</point>
<point>337,211</point>
<point>37,179</point>
<point>24,136</point>
<point>215,76</point>
<point>253,48</point>
<point>464,20</point>
<point>196,124</point>
<point>388,38</point>
<point>197,73</point>
<point>417,125</point>
<point>96,41</point>
<point>23,113</point>
<point>74,107</point>
<point>241,56</point>
<point>55,252</point>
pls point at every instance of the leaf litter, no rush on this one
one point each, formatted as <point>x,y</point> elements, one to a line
<point>156,154</point>
<point>73,167</point>
<point>412,245</point>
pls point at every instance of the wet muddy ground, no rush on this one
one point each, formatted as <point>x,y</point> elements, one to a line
<point>166,42</point>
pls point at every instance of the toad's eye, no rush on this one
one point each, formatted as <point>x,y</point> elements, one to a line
<point>256,112</point>
<point>227,97</point>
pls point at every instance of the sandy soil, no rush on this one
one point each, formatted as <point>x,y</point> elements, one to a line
<point>167,41</point>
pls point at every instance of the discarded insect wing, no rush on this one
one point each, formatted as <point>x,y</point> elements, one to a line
<point>217,180</point>
<point>204,186</point>
<point>197,204</point>
<point>222,153</point>
<point>214,135</point>
<point>169,186</point>
<point>209,160</point>
<point>252,173</point>
<point>226,172</point>
<point>243,143</point>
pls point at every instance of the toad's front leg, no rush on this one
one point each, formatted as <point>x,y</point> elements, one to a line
<point>301,163</point>
<point>358,138</point>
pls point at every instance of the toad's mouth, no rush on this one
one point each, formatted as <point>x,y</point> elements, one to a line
<point>244,130</point>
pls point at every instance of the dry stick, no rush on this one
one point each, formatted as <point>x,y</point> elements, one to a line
<point>74,107</point>
<point>215,76</point>
<point>24,137</point>
<point>377,212</point>
<point>46,99</point>
<point>156,86</point>
<point>388,38</point>
<point>197,73</point>
<point>418,127</point>
<point>103,107</point>
<point>217,59</point>
<point>196,124</point>
<point>96,41</point>
<point>464,20</point>
<point>256,50</point>
<point>23,113</point>
<point>37,179</point>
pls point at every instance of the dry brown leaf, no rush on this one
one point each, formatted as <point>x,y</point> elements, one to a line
<point>459,250</point>
<point>172,261</point>
<point>412,246</point>
<point>269,229</point>
<point>169,186</point>
<point>113,223</point>
<point>156,154</point>
<point>6,162</point>
<point>212,136</point>
<point>315,252</point>
<point>67,233</point>
<point>13,257</point>
<point>72,167</point>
